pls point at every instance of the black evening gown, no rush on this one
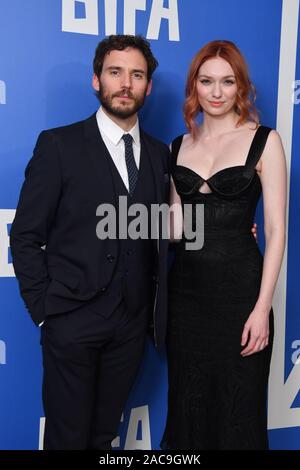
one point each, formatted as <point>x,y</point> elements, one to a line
<point>217,398</point>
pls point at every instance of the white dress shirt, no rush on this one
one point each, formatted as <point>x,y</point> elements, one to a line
<point>112,134</point>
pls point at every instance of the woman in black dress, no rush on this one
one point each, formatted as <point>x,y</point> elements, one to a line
<point>220,296</point>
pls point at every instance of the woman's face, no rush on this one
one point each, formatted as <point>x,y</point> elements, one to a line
<point>216,87</point>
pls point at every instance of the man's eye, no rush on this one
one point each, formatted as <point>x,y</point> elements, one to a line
<point>114,72</point>
<point>138,75</point>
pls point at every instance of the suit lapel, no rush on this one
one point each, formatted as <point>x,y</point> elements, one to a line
<point>156,164</point>
<point>158,172</point>
<point>97,155</point>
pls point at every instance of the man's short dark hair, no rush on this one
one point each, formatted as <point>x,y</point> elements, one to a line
<point>120,42</point>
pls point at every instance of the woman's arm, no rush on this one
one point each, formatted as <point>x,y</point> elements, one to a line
<point>273,176</point>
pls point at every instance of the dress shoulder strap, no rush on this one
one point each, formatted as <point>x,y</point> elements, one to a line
<point>257,146</point>
<point>175,147</point>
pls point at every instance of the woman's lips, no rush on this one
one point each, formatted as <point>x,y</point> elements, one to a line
<point>216,103</point>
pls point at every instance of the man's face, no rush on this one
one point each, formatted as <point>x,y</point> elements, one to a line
<point>123,83</point>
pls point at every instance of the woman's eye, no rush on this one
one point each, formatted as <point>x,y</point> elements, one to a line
<point>229,82</point>
<point>204,81</point>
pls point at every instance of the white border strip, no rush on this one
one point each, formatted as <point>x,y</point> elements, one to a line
<point>282,395</point>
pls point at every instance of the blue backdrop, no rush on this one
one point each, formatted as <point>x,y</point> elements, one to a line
<point>46,53</point>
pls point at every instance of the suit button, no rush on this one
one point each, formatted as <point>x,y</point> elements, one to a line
<point>129,252</point>
<point>103,289</point>
<point>110,257</point>
<point>155,278</point>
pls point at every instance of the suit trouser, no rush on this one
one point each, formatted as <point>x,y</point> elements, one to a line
<point>90,363</point>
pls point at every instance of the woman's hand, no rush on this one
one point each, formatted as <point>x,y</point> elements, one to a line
<point>256,330</point>
<point>254,232</point>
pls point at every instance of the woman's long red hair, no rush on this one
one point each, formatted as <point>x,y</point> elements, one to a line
<point>244,105</point>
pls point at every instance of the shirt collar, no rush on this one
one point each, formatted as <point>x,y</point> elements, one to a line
<point>113,131</point>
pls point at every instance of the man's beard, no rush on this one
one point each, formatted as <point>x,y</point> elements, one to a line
<point>118,110</point>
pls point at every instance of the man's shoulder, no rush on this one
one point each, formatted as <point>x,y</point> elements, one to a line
<point>70,130</point>
<point>67,139</point>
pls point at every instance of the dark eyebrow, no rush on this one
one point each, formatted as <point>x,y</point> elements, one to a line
<point>139,71</point>
<point>115,67</point>
<point>207,76</point>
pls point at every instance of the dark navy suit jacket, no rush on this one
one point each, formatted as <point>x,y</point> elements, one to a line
<point>65,181</point>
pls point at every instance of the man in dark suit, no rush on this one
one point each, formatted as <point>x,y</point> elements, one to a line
<point>93,297</point>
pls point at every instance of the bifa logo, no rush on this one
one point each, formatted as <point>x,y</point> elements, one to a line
<point>2,352</point>
<point>2,92</point>
<point>137,435</point>
<point>138,425</point>
<point>82,17</point>
<point>6,219</point>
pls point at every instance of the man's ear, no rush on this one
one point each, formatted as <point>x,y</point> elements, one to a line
<point>95,82</point>
<point>149,88</point>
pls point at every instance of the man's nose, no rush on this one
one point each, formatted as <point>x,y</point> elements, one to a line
<point>126,80</point>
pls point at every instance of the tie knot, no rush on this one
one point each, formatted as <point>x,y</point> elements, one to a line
<point>127,139</point>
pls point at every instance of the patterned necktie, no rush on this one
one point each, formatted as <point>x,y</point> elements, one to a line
<point>130,162</point>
